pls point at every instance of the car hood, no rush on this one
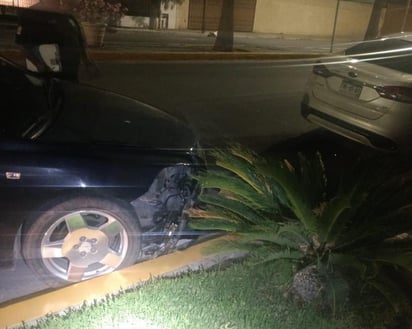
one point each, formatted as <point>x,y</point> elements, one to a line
<point>91,115</point>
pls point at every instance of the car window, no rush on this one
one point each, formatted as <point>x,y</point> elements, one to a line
<point>23,100</point>
<point>392,53</point>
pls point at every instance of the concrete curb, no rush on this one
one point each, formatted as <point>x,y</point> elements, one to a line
<point>52,302</point>
<point>130,56</point>
<point>175,56</point>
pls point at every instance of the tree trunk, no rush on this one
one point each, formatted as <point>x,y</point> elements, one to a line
<point>154,14</point>
<point>224,40</point>
<point>372,31</point>
<point>308,287</point>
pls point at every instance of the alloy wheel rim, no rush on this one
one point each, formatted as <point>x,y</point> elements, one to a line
<point>84,244</point>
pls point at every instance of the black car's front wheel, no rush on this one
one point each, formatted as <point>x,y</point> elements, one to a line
<point>79,239</point>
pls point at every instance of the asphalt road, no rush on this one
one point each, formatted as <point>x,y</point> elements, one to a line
<point>252,102</point>
<point>257,103</point>
<point>18,282</point>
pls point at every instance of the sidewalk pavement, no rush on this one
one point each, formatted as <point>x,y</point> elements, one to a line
<point>129,44</point>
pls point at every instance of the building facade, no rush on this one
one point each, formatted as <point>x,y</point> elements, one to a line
<point>313,18</point>
<point>348,19</point>
<point>300,18</point>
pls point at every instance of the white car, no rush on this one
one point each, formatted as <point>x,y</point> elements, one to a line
<point>366,95</point>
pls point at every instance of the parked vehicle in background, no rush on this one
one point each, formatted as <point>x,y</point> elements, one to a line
<point>367,94</point>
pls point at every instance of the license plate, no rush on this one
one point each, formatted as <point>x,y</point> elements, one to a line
<point>350,89</point>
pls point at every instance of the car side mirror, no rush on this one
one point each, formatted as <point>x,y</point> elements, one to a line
<point>53,43</point>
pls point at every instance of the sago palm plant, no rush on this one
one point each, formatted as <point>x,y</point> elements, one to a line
<point>357,231</point>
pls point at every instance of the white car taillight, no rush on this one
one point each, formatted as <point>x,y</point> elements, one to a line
<point>396,93</point>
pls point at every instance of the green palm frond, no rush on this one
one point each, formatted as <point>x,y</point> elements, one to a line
<point>239,210</point>
<point>381,212</point>
<point>236,188</point>
<point>241,164</point>
<point>313,178</point>
<point>393,254</point>
<point>391,206</point>
<point>392,293</point>
<point>349,261</point>
<point>340,211</point>
<point>288,181</point>
<point>287,207</point>
<point>336,215</point>
<point>295,231</point>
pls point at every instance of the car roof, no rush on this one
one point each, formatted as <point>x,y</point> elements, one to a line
<point>407,36</point>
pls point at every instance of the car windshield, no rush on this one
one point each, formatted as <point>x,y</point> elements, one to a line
<point>206,164</point>
<point>392,53</point>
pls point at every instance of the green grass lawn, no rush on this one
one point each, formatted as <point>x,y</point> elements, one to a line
<point>235,297</point>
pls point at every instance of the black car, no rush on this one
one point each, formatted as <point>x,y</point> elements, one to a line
<point>91,181</point>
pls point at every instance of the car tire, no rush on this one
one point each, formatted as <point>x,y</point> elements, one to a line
<point>79,239</point>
